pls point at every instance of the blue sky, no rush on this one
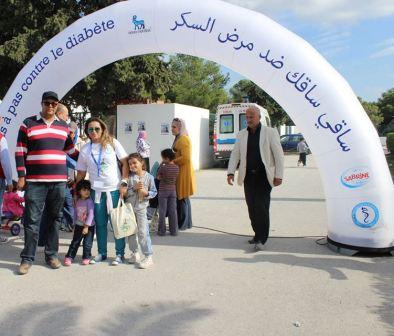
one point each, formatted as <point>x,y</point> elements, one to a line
<point>355,36</point>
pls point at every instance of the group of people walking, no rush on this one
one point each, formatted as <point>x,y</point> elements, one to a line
<point>105,173</point>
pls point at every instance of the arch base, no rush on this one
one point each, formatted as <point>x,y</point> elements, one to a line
<point>353,250</point>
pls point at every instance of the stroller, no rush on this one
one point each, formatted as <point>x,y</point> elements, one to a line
<point>13,208</point>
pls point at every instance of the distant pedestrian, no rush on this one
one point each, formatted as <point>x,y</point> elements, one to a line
<point>143,148</point>
<point>302,149</point>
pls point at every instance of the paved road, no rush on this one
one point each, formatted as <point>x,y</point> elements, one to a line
<point>210,283</point>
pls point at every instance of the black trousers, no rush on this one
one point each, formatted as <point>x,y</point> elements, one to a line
<point>258,197</point>
<point>302,158</point>
<point>76,242</point>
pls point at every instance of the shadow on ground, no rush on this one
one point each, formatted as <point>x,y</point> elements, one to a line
<point>381,269</point>
<point>62,319</point>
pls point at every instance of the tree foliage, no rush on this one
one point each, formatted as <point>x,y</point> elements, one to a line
<point>246,88</point>
<point>196,82</point>
<point>373,111</point>
<point>386,106</point>
<point>132,80</point>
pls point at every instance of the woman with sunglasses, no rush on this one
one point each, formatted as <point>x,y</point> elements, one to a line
<point>185,184</point>
<point>99,158</point>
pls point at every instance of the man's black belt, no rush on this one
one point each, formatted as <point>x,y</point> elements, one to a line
<point>254,171</point>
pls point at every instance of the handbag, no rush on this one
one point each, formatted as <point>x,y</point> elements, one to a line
<point>123,220</point>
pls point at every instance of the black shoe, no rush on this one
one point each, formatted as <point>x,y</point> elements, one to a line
<point>254,240</point>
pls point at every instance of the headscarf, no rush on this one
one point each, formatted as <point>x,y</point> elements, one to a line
<point>180,123</point>
<point>142,135</point>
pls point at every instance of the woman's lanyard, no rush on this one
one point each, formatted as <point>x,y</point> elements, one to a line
<point>98,163</point>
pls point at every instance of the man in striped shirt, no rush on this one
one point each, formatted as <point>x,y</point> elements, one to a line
<point>42,145</point>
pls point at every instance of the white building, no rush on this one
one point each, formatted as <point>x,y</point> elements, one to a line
<point>156,120</point>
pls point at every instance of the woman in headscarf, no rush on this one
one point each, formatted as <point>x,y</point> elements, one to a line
<point>185,184</point>
<point>143,148</point>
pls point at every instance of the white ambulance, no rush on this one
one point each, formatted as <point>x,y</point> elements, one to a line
<point>229,120</point>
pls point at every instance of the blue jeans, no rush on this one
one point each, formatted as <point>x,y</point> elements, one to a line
<point>68,210</point>
<point>184,210</point>
<point>37,195</point>
<point>67,217</point>
<point>101,219</point>
<point>78,237</point>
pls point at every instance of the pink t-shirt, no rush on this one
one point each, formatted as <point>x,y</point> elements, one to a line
<point>12,202</point>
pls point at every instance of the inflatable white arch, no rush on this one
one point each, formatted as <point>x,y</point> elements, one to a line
<point>358,186</point>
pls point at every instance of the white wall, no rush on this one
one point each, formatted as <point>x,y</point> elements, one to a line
<point>284,129</point>
<point>154,115</point>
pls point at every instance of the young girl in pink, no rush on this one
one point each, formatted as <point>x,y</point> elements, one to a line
<point>12,204</point>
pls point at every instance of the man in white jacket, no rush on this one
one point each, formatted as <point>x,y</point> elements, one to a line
<point>260,156</point>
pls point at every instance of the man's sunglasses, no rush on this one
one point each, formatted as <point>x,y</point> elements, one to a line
<point>52,104</point>
<point>94,129</point>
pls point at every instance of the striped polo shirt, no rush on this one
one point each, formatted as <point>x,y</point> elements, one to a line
<point>41,150</point>
<point>167,174</point>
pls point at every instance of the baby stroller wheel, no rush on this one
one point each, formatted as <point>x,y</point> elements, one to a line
<point>15,229</point>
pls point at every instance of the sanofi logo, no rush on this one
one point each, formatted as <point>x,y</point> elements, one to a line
<point>355,177</point>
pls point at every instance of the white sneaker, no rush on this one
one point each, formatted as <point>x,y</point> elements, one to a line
<point>146,263</point>
<point>99,258</point>
<point>259,247</point>
<point>118,260</point>
<point>92,261</point>
<point>134,258</point>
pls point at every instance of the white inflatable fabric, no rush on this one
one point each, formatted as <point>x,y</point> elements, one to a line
<point>358,186</point>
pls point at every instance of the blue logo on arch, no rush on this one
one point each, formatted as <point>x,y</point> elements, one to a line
<point>365,215</point>
<point>138,23</point>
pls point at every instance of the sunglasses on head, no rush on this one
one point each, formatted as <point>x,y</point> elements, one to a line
<point>176,119</point>
<point>94,129</point>
<point>48,103</point>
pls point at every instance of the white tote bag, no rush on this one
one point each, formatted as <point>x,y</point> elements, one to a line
<point>123,220</point>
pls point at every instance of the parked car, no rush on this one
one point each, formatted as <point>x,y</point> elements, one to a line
<point>289,142</point>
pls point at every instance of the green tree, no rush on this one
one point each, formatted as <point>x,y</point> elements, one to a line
<point>197,82</point>
<point>132,80</point>
<point>386,106</point>
<point>373,111</point>
<point>25,26</point>
<point>246,88</point>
